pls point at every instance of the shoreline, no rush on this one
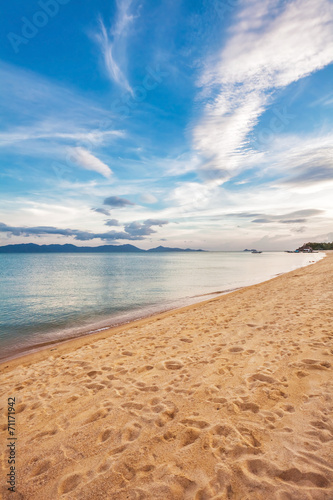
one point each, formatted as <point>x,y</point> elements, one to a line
<point>98,328</point>
<point>34,349</point>
<point>109,330</point>
<point>228,398</point>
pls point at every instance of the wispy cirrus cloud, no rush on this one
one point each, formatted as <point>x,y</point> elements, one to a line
<point>309,212</point>
<point>310,162</point>
<point>51,117</point>
<point>84,159</point>
<point>34,98</point>
<point>299,161</point>
<point>296,217</point>
<point>112,43</point>
<point>272,45</point>
<point>56,131</point>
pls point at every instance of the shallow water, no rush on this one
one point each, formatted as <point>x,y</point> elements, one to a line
<point>48,297</point>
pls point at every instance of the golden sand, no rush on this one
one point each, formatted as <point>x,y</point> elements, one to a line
<point>227,399</point>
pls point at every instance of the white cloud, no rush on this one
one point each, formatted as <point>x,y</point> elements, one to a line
<point>88,161</point>
<point>189,196</point>
<point>112,43</point>
<point>31,96</point>
<point>303,163</point>
<point>47,130</point>
<point>52,114</point>
<point>274,51</point>
<point>124,18</point>
<point>272,44</point>
<point>148,198</point>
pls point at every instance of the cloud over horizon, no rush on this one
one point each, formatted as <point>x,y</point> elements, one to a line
<point>132,231</point>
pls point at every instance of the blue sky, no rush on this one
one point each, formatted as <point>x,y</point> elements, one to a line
<point>203,124</point>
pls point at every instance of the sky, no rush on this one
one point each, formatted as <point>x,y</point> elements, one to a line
<point>184,123</point>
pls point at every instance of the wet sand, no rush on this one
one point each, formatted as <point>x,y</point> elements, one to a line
<point>227,399</point>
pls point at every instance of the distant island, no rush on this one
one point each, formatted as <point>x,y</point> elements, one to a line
<point>68,248</point>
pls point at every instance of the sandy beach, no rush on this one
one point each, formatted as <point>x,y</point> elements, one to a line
<point>227,399</point>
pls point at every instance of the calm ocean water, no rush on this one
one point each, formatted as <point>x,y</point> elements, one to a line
<point>49,297</point>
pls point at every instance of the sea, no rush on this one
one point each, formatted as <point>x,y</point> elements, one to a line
<point>47,298</point>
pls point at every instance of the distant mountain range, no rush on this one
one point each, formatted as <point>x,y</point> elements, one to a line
<point>33,248</point>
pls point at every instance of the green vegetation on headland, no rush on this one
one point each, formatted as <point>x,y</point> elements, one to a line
<point>315,246</point>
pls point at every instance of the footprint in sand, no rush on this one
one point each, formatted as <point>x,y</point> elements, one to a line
<point>150,388</point>
<point>173,365</point>
<point>261,377</point>
<point>126,471</point>
<point>105,466</point>
<point>169,436</point>
<point>119,449</point>
<point>144,368</point>
<point>102,413</point>
<point>40,435</point>
<point>132,406</point>
<point>314,364</point>
<point>167,414</point>
<point>72,398</point>
<point>247,406</point>
<point>189,436</point>
<point>200,424</point>
<point>94,373</point>
<point>20,408</point>
<point>70,483</point>
<point>236,349</point>
<point>261,468</point>
<point>95,387</point>
<point>131,431</point>
<point>42,468</point>
<point>105,435</point>
<point>106,368</point>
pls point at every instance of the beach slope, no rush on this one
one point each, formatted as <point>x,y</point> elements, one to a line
<point>227,399</point>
